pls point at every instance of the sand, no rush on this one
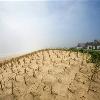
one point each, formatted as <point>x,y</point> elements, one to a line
<point>49,75</point>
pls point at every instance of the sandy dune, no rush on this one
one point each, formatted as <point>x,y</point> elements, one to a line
<point>49,75</point>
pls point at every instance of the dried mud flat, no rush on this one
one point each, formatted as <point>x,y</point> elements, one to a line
<point>49,75</point>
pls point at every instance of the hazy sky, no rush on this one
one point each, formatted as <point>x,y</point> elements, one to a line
<point>28,26</point>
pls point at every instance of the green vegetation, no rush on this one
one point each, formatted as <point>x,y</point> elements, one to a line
<point>95,55</point>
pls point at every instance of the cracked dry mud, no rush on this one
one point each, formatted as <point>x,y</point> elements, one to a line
<point>49,75</point>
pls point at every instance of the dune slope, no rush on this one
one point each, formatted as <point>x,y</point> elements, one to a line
<point>49,75</point>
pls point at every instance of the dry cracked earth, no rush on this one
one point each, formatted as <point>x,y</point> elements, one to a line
<point>49,75</point>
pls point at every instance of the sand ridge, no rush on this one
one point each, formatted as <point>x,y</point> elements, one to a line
<point>49,75</point>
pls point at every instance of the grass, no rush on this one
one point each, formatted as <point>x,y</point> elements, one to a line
<point>95,55</point>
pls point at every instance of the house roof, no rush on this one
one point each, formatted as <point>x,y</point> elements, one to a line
<point>94,43</point>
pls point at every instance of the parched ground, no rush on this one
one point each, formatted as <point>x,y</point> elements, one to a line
<point>49,75</point>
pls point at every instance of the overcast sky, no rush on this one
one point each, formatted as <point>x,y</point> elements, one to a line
<point>27,26</point>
